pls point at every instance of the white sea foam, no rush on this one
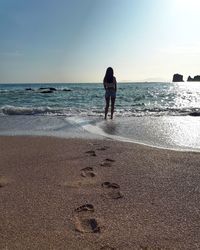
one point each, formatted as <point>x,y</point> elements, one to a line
<point>93,112</point>
<point>12,110</point>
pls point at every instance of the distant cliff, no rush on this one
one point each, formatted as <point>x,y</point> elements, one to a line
<point>177,78</point>
<point>195,79</point>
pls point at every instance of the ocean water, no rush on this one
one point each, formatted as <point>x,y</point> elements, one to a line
<point>157,114</point>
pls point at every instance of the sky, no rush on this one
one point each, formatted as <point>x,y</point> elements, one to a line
<point>76,40</point>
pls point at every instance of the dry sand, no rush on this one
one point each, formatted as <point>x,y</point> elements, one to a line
<point>54,194</point>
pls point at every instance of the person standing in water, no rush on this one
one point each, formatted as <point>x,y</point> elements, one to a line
<point>110,86</point>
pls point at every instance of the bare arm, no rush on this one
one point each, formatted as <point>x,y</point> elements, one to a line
<point>104,85</point>
<point>115,84</point>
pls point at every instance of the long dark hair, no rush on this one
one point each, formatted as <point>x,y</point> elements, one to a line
<point>109,75</point>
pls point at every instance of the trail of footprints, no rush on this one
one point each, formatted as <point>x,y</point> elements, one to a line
<point>85,221</point>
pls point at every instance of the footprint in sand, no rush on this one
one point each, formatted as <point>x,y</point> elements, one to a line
<point>84,221</point>
<point>108,184</point>
<point>115,193</point>
<point>91,153</point>
<point>3,181</point>
<point>86,207</point>
<point>107,162</point>
<point>86,225</point>
<point>88,172</point>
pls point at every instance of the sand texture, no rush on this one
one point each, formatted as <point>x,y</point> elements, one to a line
<point>97,194</point>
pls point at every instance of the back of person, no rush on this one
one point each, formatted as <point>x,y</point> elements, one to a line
<point>110,86</point>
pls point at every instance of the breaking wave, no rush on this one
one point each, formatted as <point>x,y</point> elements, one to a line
<point>11,110</point>
<point>120,112</point>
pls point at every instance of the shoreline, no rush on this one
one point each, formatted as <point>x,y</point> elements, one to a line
<point>99,137</point>
<point>169,133</point>
<point>45,181</point>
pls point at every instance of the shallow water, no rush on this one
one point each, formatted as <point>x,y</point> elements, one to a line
<point>156,114</point>
<point>172,132</point>
<point>133,99</point>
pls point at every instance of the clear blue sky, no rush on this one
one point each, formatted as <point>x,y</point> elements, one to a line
<point>76,40</point>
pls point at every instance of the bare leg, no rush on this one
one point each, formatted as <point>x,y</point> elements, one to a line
<point>107,106</point>
<point>112,106</point>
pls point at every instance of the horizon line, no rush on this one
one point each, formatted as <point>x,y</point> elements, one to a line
<point>139,81</point>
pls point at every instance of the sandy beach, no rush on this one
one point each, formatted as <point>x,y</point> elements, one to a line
<point>97,194</point>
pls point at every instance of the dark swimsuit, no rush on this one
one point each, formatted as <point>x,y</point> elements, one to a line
<point>110,90</point>
<point>110,93</point>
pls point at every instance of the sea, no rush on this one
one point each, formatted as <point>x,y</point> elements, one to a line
<point>157,114</point>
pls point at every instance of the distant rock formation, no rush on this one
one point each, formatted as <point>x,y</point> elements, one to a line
<point>195,79</point>
<point>190,79</point>
<point>67,90</point>
<point>52,89</point>
<point>46,91</point>
<point>195,113</point>
<point>177,78</point>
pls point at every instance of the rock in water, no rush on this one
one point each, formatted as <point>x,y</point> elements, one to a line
<point>195,79</point>
<point>177,78</point>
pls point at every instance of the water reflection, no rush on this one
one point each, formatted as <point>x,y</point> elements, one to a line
<point>169,132</point>
<point>110,127</point>
<point>183,131</point>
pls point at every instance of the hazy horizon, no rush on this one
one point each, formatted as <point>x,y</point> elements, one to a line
<point>82,82</point>
<point>75,41</point>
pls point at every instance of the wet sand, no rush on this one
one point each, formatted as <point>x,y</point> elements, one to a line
<point>97,194</point>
